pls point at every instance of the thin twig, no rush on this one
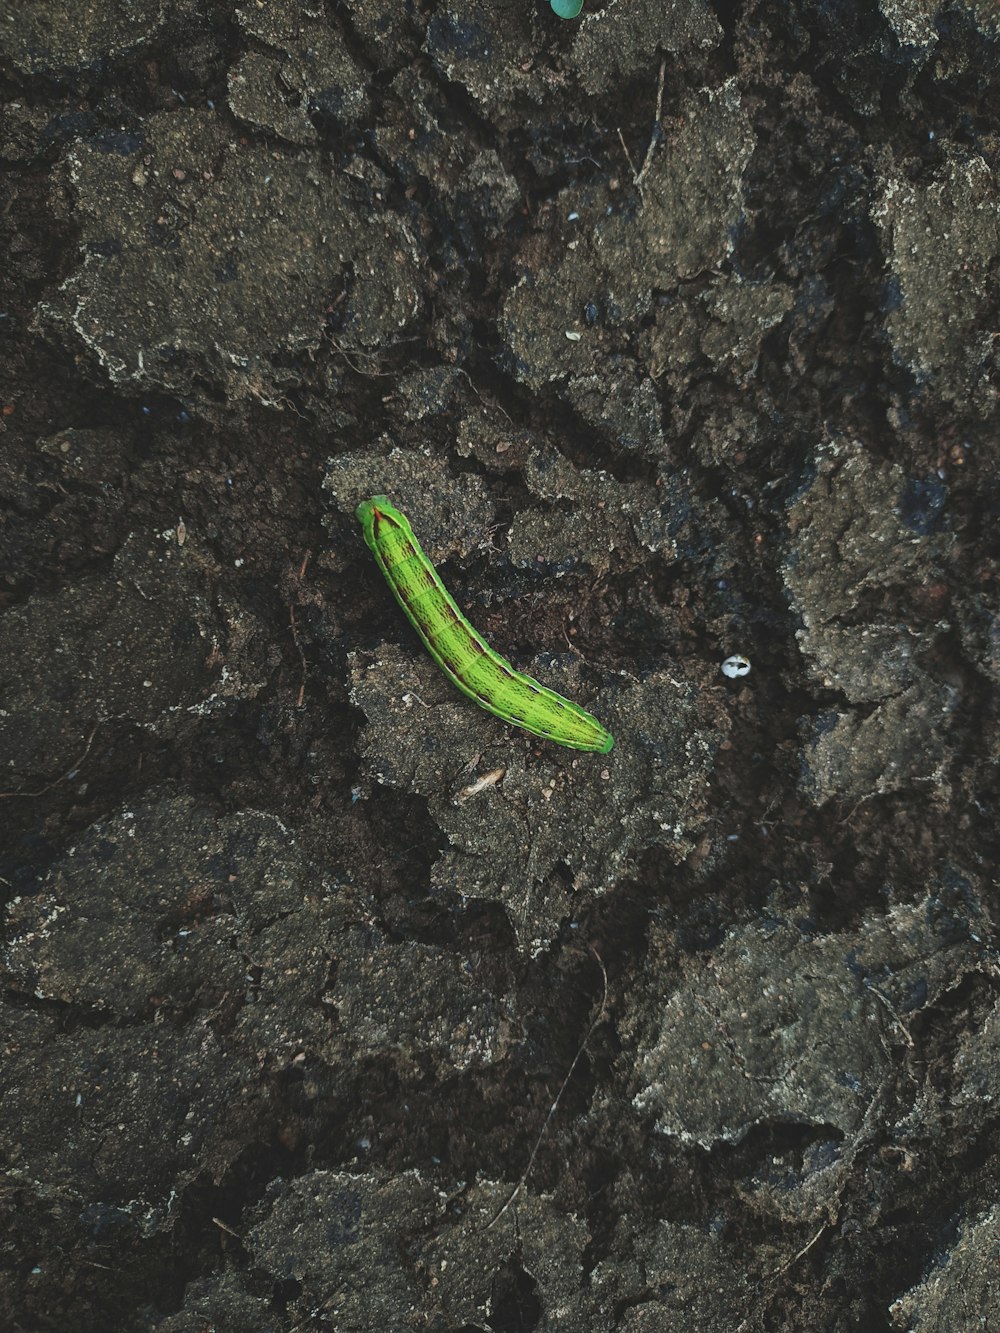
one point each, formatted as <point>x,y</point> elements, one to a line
<point>628,155</point>
<point>472,386</point>
<point>805,1249</point>
<point>295,634</point>
<point>884,999</point>
<point>555,1105</point>
<point>744,1325</point>
<point>70,772</point>
<point>656,134</point>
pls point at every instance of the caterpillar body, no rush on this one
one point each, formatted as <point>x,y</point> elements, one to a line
<point>465,658</point>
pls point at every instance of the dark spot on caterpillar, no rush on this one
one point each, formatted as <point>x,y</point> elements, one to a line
<point>428,574</point>
<point>516,717</point>
<point>481,697</point>
<point>397,556</point>
<point>507,671</point>
<point>476,647</point>
<point>535,689</point>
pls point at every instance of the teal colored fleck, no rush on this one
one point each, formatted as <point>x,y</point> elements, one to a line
<point>566,9</point>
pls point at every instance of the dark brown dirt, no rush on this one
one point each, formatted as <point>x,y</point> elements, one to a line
<point>332,1002</point>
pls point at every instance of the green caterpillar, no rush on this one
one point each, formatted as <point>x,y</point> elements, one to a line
<point>462,655</point>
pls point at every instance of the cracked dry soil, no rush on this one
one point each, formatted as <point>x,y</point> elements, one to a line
<point>331,1002</point>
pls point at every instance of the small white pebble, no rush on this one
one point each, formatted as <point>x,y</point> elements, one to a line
<point>737,665</point>
<point>573,336</point>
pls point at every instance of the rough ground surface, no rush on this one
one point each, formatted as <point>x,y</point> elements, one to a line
<point>330,1001</point>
